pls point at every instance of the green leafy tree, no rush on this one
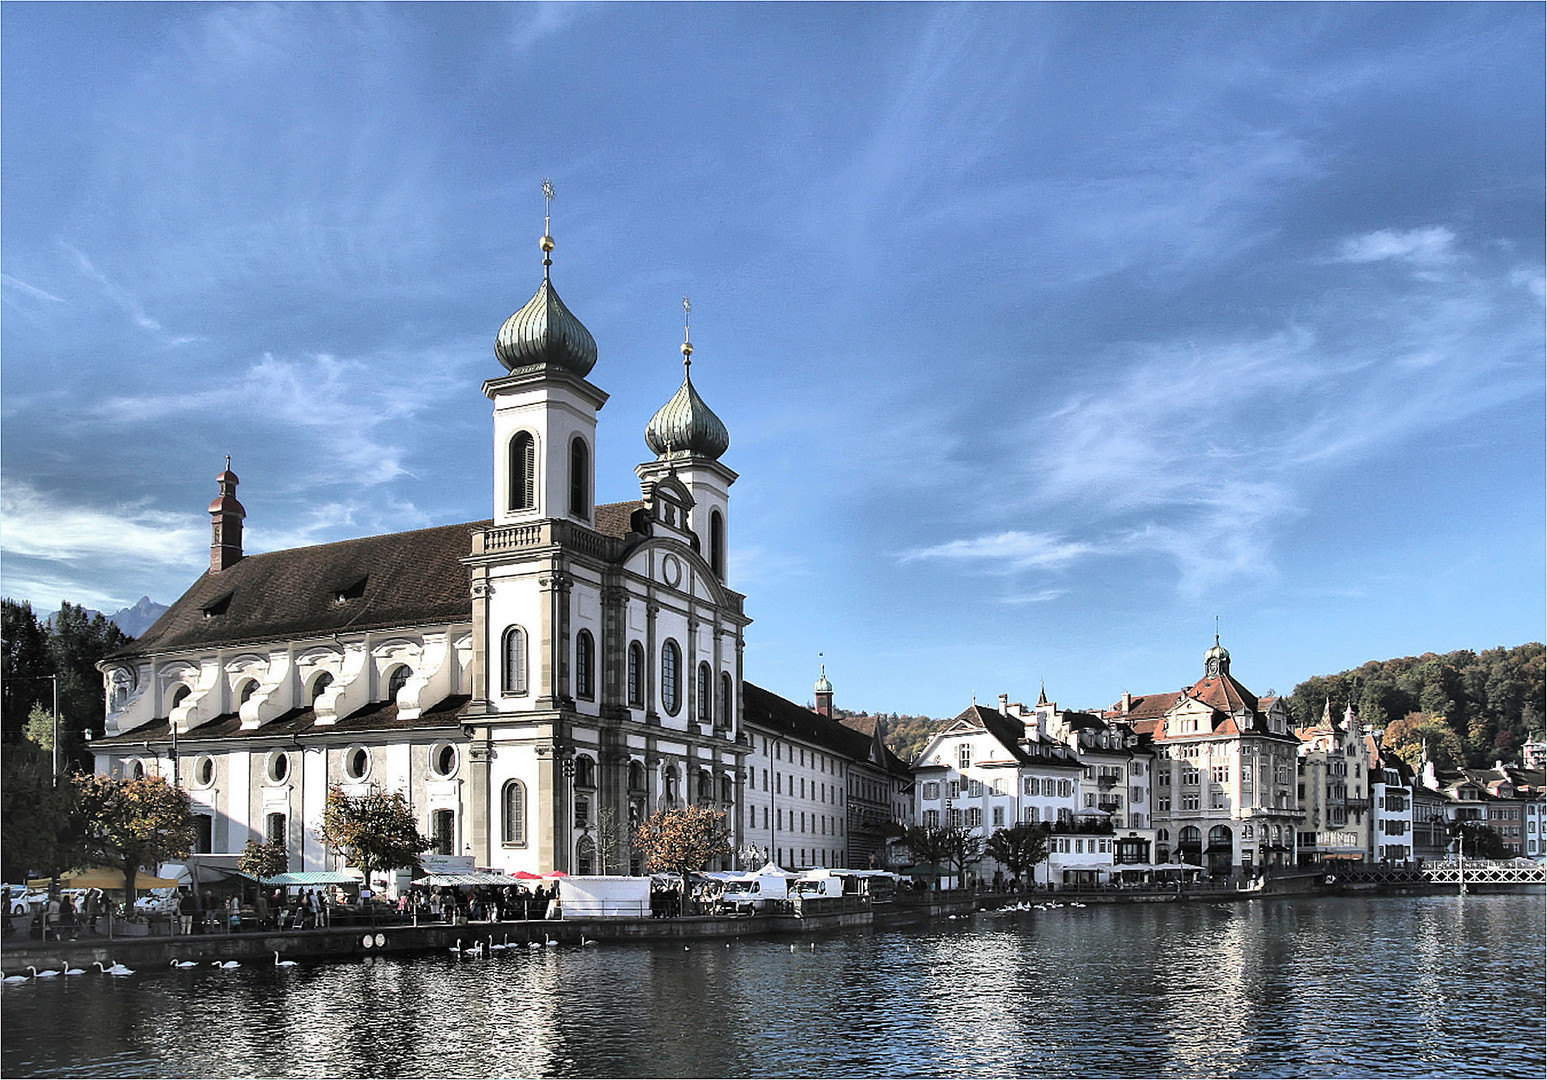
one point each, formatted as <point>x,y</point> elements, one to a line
<point>1480,841</point>
<point>133,823</point>
<point>42,829</point>
<point>930,844</point>
<point>682,840</point>
<point>263,859</point>
<point>374,831</point>
<point>25,664</point>
<point>1019,848</point>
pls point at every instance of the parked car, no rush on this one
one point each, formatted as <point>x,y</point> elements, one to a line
<point>15,899</point>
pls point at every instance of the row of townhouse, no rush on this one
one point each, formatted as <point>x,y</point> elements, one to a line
<point>1210,777</point>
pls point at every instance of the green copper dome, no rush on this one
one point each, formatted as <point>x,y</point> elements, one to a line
<point>686,425</point>
<point>545,332</point>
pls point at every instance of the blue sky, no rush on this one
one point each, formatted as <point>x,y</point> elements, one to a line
<point>1044,334</point>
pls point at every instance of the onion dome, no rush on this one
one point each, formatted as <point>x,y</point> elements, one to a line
<point>545,332</point>
<point>822,685</point>
<point>226,502</point>
<point>685,425</point>
<point>1216,661</point>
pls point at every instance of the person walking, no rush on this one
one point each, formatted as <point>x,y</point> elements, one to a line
<point>93,908</point>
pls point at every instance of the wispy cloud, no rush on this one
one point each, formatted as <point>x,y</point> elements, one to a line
<point>122,298</point>
<point>1019,550</point>
<point>31,291</point>
<point>42,525</point>
<point>1427,246</point>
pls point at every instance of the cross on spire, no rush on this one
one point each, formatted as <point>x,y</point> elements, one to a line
<point>687,344</point>
<point>547,240</point>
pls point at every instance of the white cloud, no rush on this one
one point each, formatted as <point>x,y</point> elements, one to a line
<point>1429,245</point>
<point>1013,548</point>
<point>28,290</point>
<point>40,525</point>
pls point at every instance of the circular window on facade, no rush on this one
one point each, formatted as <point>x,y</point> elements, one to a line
<point>278,766</point>
<point>204,771</point>
<point>357,763</point>
<point>443,759</point>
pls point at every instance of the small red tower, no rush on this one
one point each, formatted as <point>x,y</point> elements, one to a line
<point>226,514</point>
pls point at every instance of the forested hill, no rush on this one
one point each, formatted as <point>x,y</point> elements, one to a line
<point>1467,708</point>
<point>906,735</point>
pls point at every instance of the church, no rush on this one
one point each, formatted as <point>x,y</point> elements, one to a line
<point>534,683</point>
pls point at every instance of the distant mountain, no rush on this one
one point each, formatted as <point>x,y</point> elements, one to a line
<point>133,621</point>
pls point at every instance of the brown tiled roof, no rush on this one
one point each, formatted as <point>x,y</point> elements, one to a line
<point>376,716</point>
<point>1145,706</point>
<point>1010,733</point>
<point>1224,694</point>
<point>867,726</point>
<point>612,519</point>
<point>399,579</point>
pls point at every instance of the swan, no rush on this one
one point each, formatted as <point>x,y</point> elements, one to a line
<point>15,979</point>
<point>548,941</point>
<point>185,963</point>
<point>585,941</point>
<point>74,971</point>
<point>534,944</point>
<point>792,948</point>
<point>228,965</point>
<point>119,969</point>
<point>477,949</point>
<point>282,963</point>
<point>498,948</point>
<point>457,948</point>
<point>36,974</point>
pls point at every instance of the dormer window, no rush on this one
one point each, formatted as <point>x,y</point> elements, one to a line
<point>352,591</point>
<point>218,607</point>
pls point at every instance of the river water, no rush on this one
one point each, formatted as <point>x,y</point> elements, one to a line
<point>1305,987</point>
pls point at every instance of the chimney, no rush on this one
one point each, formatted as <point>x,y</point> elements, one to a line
<point>226,514</point>
<point>1127,703</point>
<point>1004,704</point>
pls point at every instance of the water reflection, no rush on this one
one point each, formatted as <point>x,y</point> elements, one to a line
<point>1303,988</point>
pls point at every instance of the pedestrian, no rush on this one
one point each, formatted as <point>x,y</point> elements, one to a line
<point>93,908</point>
<point>261,908</point>
<point>67,916</point>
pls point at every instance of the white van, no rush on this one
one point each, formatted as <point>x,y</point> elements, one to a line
<point>754,893</point>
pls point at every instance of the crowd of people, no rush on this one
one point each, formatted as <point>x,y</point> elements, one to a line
<point>477,904</point>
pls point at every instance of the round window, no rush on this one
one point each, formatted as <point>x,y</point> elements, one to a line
<point>279,766</point>
<point>357,762</point>
<point>204,771</point>
<point>443,759</point>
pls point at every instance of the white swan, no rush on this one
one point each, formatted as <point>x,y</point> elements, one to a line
<point>500,947</point>
<point>588,941</point>
<point>74,971</point>
<point>119,969</point>
<point>282,963</point>
<point>15,979</point>
<point>457,948</point>
<point>529,945</point>
<point>548,941</point>
<point>477,948</point>
<point>185,963</point>
<point>36,974</point>
<point>228,965</point>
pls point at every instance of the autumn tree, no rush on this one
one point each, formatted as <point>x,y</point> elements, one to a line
<point>682,840</point>
<point>1420,735</point>
<point>133,823</point>
<point>1019,848</point>
<point>374,831</point>
<point>264,859</point>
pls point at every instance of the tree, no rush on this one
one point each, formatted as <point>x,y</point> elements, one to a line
<point>1420,735</point>
<point>934,844</point>
<point>682,840</point>
<point>963,848</point>
<point>133,823</point>
<point>263,859</point>
<point>41,825</point>
<point>1479,841</point>
<point>613,843</point>
<point>25,664</point>
<point>374,831</point>
<point>1019,848</point>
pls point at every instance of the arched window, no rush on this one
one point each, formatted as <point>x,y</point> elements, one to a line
<point>178,695</point>
<point>727,700</point>
<point>523,471</point>
<point>579,478</point>
<point>585,856</point>
<point>636,676</point>
<point>585,665</point>
<point>443,832</point>
<point>671,677</point>
<point>725,788</point>
<point>513,813</point>
<point>397,679</point>
<point>513,651</point>
<point>249,688</point>
<point>669,783</point>
<point>717,544</point>
<point>585,772</point>
<point>138,772</point>
<point>1219,836</point>
<point>705,786</point>
<point>320,684</point>
<point>636,776</point>
<point>705,693</point>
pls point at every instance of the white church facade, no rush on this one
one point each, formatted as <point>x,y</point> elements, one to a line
<point>534,682</point>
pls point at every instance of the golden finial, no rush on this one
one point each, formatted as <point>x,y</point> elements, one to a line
<point>546,243</point>
<point>687,345</point>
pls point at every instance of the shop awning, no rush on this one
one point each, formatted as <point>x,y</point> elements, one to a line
<point>475,878</point>
<point>103,877</point>
<point>305,877</point>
